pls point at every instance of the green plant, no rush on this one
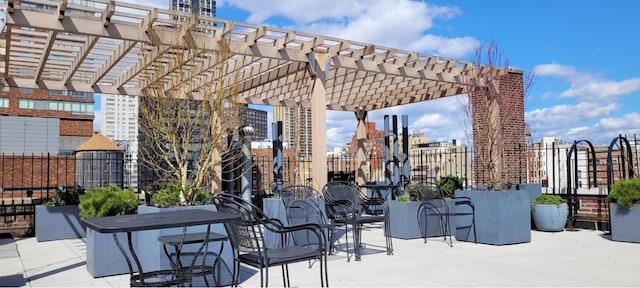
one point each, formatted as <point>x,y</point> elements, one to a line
<point>403,198</point>
<point>108,201</point>
<point>625,192</point>
<point>423,191</point>
<point>169,195</point>
<point>449,184</point>
<point>66,196</point>
<point>549,199</point>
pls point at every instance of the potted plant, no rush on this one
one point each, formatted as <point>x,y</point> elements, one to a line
<point>103,256</point>
<point>449,184</point>
<point>624,210</point>
<point>549,212</point>
<point>59,218</point>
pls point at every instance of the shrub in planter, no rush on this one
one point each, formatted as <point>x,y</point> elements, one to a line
<point>624,198</point>
<point>549,212</point>
<point>108,201</point>
<point>403,198</point>
<point>103,256</point>
<point>625,193</point>
<point>169,196</point>
<point>59,217</point>
<point>66,196</point>
<point>449,184</point>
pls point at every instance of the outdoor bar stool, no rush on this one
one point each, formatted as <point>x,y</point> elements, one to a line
<point>177,241</point>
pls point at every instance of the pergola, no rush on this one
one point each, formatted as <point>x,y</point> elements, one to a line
<point>63,46</point>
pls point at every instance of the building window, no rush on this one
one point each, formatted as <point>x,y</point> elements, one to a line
<point>58,92</point>
<point>25,90</point>
<point>4,102</point>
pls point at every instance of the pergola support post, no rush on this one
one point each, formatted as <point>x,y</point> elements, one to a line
<point>319,65</point>
<point>361,153</point>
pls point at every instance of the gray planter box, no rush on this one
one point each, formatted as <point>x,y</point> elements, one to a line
<point>405,221</point>
<point>550,217</point>
<point>501,217</point>
<point>103,256</point>
<point>58,222</point>
<point>625,223</point>
<point>152,256</point>
<point>534,189</point>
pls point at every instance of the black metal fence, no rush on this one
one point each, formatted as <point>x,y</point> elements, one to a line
<point>33,178</point>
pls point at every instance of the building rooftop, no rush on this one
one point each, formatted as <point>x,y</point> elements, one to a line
<point>582,258</point>
<point>98,142</point>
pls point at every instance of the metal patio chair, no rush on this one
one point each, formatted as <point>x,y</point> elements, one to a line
<point>435,204</point>
<point>247,237</point>
<point>346,206</point>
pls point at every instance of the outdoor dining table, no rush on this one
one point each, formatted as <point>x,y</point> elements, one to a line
<point>140,222</point>
<point>377,190</point>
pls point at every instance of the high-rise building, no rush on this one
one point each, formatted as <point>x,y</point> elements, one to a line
<point>258,120</point>
<point>200,7</point>
<point>120,124</point>
<point>296,128</point>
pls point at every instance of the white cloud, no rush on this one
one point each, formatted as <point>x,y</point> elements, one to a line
<point>442,46</point>
<point>629,121</point>
<point>555,117</point>
<point>585,85</point>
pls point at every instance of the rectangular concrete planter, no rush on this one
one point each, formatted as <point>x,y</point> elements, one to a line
<point>152,256</point>
<point>58,222</point>
<point>405,222</point>
<point>625,223</point>
<point>501,217</point>
<point>103,256</point>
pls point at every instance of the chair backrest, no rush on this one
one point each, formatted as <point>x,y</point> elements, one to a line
<point>303,211</point>
<point>337,191</point>
<point>245,234</point>
<point>302,191</point>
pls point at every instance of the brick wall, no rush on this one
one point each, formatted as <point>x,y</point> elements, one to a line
<point>511,132</point>
<point>36,171</point>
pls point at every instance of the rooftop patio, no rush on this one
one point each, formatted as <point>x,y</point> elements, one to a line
<point>569,258</point>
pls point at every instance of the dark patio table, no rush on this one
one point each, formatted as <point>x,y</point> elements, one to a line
<point>140,222</point>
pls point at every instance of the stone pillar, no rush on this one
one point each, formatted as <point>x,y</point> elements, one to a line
<point>507,132</point>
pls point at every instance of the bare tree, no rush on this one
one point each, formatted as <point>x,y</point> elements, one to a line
<point>188,110</point>
<point>485,82</point>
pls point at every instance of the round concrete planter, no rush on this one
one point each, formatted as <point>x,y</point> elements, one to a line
<point>550,217</point>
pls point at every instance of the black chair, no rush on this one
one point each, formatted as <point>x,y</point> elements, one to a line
<point>247,237</point>
<point>302,211</point>
<point>178,240</point>
<point>436,204</point>
<point>346,206</point>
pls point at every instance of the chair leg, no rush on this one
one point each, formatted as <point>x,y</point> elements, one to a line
<point>356,240</point>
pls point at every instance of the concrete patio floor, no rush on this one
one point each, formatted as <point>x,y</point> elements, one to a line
<point>570,258</point>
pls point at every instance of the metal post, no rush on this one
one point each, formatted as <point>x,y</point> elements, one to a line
<point>387,152</point>
<point>246,132</point>
<point>405,178</point>
<point>278,158</point>
<point>396,161</point>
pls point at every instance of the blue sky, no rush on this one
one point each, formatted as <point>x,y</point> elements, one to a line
<point>583,55</point>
